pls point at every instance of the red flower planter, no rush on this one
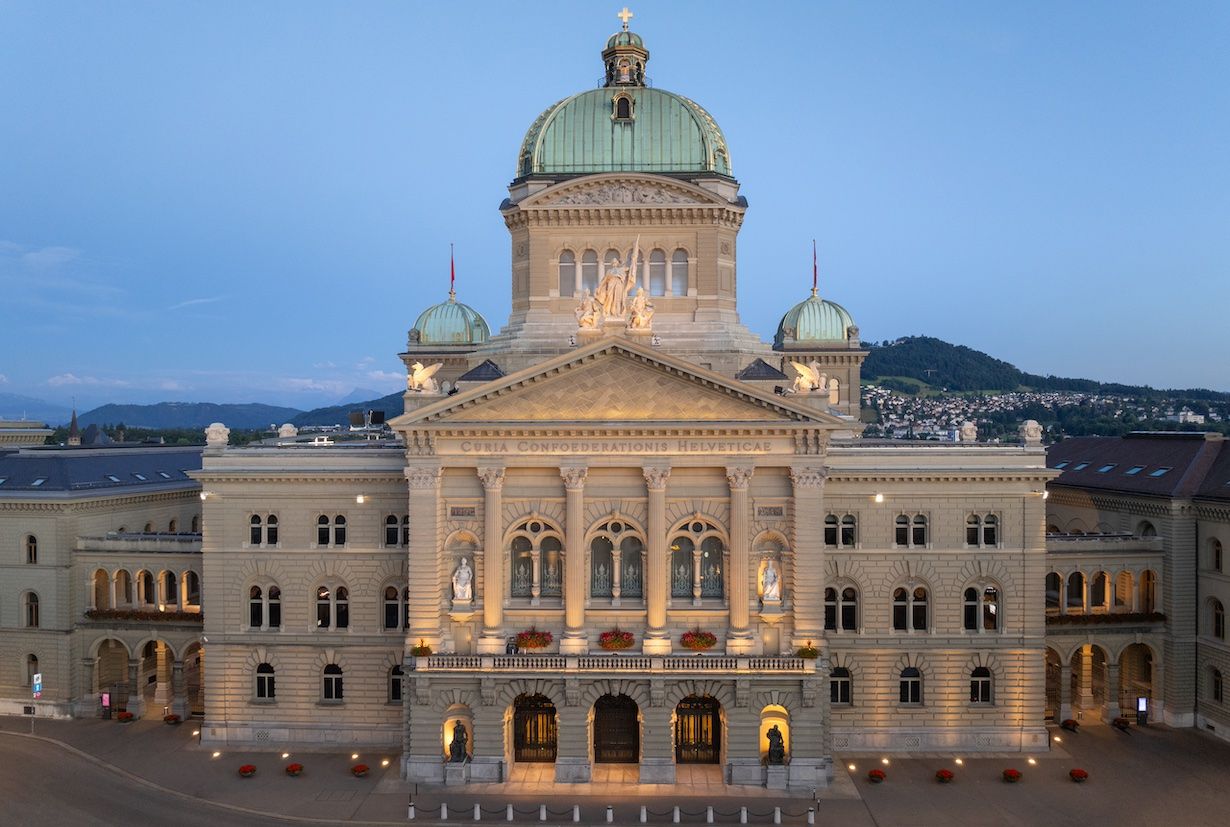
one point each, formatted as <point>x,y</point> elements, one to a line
<point>294,769</point>
<point>616,639</point>
<point>534,639</point>
<point>359,770</point>
<point>1012,776</point>
<point>876,776</point>
<point>172,720</point>
<point>1078,775</point>
<point>247,771</point>
<point>698,641</point>
<point>944,776</point>
<point>124,716</point>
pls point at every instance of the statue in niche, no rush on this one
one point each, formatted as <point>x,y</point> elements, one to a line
<point>777,746</point>
<point>771,582</point>
<point>641,311</point>
<point>589,311</point>
<point>457,749</point>
<point>463,581</point>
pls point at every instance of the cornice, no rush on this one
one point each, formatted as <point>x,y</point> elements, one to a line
<point>292,475</point>
<point>96,502</point>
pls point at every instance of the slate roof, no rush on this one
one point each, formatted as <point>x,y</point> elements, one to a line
<point>88,470</point>
<point>1164,464</point>
<point>484,372</point>
<point>760,369</point>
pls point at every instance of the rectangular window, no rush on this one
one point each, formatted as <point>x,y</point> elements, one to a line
<point>1159,472</point>
<point>839,690</point>
<point>275,614</point>
<point>1106,469</point>
<point>265,688</point>
<point>849,616</point>
<point>830,535</point>
<point>1134,470</point>
<point>903,534</point>
<point>1080,466</point>
<point>980,690</point>
<point>271,532</point>
<point>830,617</point>
<point>1062,465</point>
<point>911,690</point>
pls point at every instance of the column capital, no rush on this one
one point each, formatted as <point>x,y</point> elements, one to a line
<point>492,477</point>
<point>656,476</point>
<point>808,477</point>
<point>739,476</point>
<point>422,477</point>
<point>574,477</point>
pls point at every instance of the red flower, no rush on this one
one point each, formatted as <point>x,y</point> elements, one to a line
<point>171,719</point>
<point>532,638</point>
<point>944,776</point>
<point>1012,776</point>
<point>876,776</point>
<point>294,769</point>
<point>247,770</point>
<point>1077,774</point>
<point>616,639</point>
<point>124,715</point>
<point>698,640</point>
<point>359,769</point>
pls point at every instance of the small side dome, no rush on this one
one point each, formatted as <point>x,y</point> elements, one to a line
<point>625,38</point>
<point>450,323</point>
<point>812,322</point>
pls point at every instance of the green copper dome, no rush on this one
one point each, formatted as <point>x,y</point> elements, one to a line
<point>625,38</point>
<point>450,323</point>
<point>813,321</point>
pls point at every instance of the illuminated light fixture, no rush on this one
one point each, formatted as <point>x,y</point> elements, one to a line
<point>204,495</point>
<point>359,499</point>
<point>384,763</point>
<point>1058,740</point>
<point>217,754</point>
<point>354,756</point>
<point>1046,495</point>
<point>852,768</point>
<point>959,762</point>
<point>1032,761</point>
<point>884,761</point>
<point>285,755</point>
<point>879,498</point>
<point>196,732</point>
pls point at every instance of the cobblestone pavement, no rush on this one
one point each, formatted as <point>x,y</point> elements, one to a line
<point>103,772</point>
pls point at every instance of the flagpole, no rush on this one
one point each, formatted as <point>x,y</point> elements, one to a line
<point>815,271</point>
<point>452,274</point>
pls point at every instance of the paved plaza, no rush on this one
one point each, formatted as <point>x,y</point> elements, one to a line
<point>103,772</point>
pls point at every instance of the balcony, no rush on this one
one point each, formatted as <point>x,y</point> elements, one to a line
<point>1117,543</point>
<point>668,664</point>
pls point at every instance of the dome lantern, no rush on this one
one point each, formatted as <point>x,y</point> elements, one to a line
<point>625,56</point>
<point>815,322</point>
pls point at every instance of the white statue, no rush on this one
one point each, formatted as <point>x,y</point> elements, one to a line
<point>1031,432</point>
<point>641,311</point>
<point>809,377</point>
<point>420,378</point>
<point>770,582</point>
<point>463,581</point>
<point>618,283</point>
<point>287,431</point>
<point>968,432</point>
<point>217,435</point>
<point>589,311</point>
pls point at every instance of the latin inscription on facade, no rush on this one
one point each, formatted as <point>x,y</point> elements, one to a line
<point>617,446</point>
<point>462,511</point>
<point>770,511</point>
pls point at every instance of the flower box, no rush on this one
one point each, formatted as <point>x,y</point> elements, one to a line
<point>1078,775</point>
<point>247,771</point>
<point>1070,725</point>
<point>171,719</point>
<point>294,769</point>
<point>808,652</point>
<point>1121,724</point>
<point>876,776</point>
<point>420,651</point>
<point>359,770</point>
<point>532,638</point>
<point>616,639</point>
<point>698,641</point>
<point>124,716</point>
<point>944,776</point>
<point>145,615</point>
<point>1012,776</point>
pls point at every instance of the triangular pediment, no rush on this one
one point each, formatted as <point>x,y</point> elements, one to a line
<point>615,381</point>
<point>623,191</point>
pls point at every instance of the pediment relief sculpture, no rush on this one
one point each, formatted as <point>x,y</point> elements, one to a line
<point>619,193</point>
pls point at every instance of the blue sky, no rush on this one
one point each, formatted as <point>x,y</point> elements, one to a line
<point>253,201</point>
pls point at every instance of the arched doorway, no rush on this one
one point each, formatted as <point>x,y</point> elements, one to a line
<point>1054,676</point>
<point>617,731</point>
<point>698,731</point>
<point>534,729</point>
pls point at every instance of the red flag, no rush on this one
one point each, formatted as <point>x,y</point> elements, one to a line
<point>452,269</point>
<point>815,270</point>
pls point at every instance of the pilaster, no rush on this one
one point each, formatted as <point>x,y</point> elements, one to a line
<point>574,640</point>
<point>739,636</point>
<point>807,577</point>
<point>423,611</point>
<point>492,641</point>
<point>657,637</point>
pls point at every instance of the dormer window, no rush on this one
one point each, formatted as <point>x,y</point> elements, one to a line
<point>623,108</point>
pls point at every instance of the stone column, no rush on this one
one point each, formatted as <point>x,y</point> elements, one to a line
<point>90,602</point>
<point>574,640</point>
<point>1087,595</point>
<point>136,701</point>
<point>1063,595</point>
<point>179,695</point>
<point>423,607</point>
<point>162,689</point>
<point>657,636</point>
<point>1065,692</point>
<point>739,637</point>
<point>1112,691</point>
<point>115,604</point>
<point>492,641</point>
<point>807,570</point>
<point>657,741</point>
<point>1084,679</point>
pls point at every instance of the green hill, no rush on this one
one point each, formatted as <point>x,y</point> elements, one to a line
<point>392,405</point>
<point>188,415</point>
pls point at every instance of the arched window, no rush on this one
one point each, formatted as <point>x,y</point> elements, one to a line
<point>149,529</point>
<point>392,608</point>
<point>254,530</point>
<point>911,531</point>
<point>910,686</point>
<point>395,679</point>
<point>834,391</point>
<point>1099,591</point>
<point>910,609</point>
<point>339,530</point>
<point>30,605</point>
<point>679,273</point>
<point>324,536</point>
<point>681,566</point>
<point>1148,591</point>
<point>192,585</point>
<point>1215,687</point>
<point>266,689</point>
<point>841,688</point>
<point>31,668</point>
<point>1076,591</point>
<point>1215,555</point>
<point>982,531</point>
<point>980,686</point>
<point>981,609</point>
<point>331,690</point>
<point>264,608</point>
<point>1053,585</point>
<point>601,567</point>
<point>623,104</point>
<point>332,608</point>
<point>148,593</point>
<point>275,607</point>
<point>657,273</point>
<point>1219,619</point>
<point>841,609</point>
<point>322,530</point>
<point>271,530</point>
<point>589,271</point>
<point>697,561</point>
<point>567,273</point>
<point>536,561</point>
<point>840,532</point>
<point>256,607</point>
<point>196,524</point>
<point>405,529</point>
<point>173,527</point>
<point>391,534</point>
<point>552,557</point>
<point>31,549</point>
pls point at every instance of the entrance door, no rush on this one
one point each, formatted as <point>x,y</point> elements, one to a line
<point>616,730</point>
<point>698,731</point>
<point>534,731</point>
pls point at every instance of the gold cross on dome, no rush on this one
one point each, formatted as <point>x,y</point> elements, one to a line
<point>625,16</point>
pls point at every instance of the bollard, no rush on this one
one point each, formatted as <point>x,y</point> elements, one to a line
<point>443,811</point>
<point>644,814</point>
<point>509,813</point>
<point>743,815</point>
<point>709,814</point>
<point>478,812</point>
<point>610,814</point>
<point>777,815</point>
<point>542,812</point>
<point>811,815</point>
<point>675,816</point>
<point>410,811</point>
<point>576,812</point>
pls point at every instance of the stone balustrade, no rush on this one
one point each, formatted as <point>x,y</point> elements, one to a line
<point>614,663</point>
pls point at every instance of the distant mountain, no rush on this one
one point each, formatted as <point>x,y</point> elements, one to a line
<point>392,405</point>
<point>189,415</point>
<point>938,364</point>
<point>16,406</point>
<point>358,395</point>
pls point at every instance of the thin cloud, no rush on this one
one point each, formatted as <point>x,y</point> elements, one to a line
<point>385,376</point>
<point>66,379</point>
<point>194,302</point>
<point>4,380</point>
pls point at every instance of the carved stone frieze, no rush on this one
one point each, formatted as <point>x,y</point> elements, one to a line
<point>487,688</point>
<point>422,477</point>
<point>625,193</point>
<point>808,477</point>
